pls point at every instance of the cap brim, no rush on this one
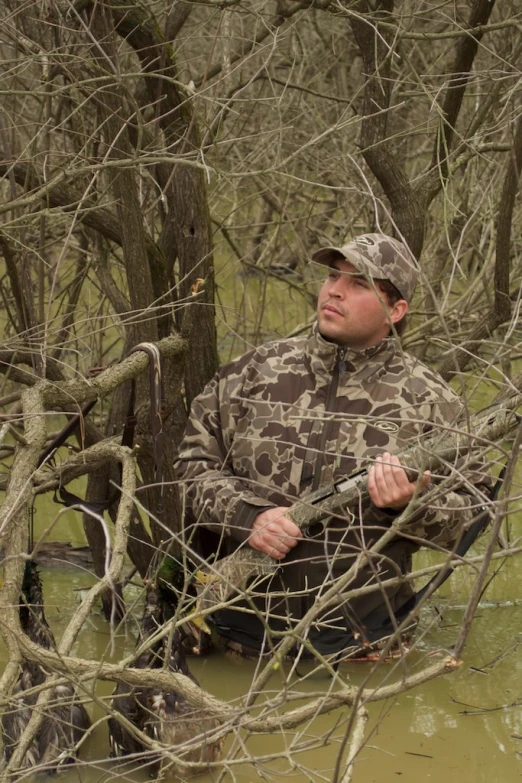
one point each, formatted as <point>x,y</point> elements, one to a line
<point>327,255</point>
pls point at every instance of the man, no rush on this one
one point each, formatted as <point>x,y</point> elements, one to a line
<point>294,414</point>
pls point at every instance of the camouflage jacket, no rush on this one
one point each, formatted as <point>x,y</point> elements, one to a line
<point>296,413</point>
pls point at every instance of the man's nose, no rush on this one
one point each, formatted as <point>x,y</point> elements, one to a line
<point>336,288</point>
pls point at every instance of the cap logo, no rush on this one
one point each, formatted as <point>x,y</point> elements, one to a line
<point>368,241</point>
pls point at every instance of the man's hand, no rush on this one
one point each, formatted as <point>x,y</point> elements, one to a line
<point>389,485</point>
<point>273,533</point>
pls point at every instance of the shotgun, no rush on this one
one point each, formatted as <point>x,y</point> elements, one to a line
<point>230,575</point>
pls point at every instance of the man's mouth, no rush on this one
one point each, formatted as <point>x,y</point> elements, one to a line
<point>329,308</point>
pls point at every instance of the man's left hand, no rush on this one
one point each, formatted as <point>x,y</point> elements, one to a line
<point>389,485</point>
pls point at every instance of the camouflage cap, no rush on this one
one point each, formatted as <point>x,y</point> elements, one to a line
<point>379,256</point>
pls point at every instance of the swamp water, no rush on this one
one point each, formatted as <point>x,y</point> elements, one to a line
<point>465,726</point>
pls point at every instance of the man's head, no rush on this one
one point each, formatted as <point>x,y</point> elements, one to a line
<point>369,286</point>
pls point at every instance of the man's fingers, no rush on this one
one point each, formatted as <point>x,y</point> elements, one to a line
<point>389,485</point>
<point>276,538</point>
<point>390,470</point>
<point>426,478</point>
<point>273,545</point>
<point>273,533</point>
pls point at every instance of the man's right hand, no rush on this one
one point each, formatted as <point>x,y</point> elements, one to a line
<point>273,533</point>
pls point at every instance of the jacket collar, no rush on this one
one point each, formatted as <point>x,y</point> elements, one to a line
<point>359,365</point>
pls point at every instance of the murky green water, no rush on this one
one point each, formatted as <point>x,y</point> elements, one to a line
<point>463,726</point>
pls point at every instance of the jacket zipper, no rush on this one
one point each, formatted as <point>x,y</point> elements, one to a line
<point>330,407</point>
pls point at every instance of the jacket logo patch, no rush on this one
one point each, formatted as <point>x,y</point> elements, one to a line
<point>386,426</point>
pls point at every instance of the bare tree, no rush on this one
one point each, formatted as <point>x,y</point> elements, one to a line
<point>166,162</point>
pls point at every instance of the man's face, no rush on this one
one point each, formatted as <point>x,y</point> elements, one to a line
<point>351,309</point>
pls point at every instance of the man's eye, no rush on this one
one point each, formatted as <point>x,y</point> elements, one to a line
<point>333,275</point>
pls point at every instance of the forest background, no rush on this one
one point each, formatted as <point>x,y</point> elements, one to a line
<point>167,170</point>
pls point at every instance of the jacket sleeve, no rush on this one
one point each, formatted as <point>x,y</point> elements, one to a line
<point>447,512</point>
<point>450,512</point>
<point>218,498</point>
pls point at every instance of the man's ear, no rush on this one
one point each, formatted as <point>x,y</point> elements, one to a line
<point>398,310</point>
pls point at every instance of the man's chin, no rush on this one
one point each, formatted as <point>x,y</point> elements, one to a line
<point>328,334</point>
